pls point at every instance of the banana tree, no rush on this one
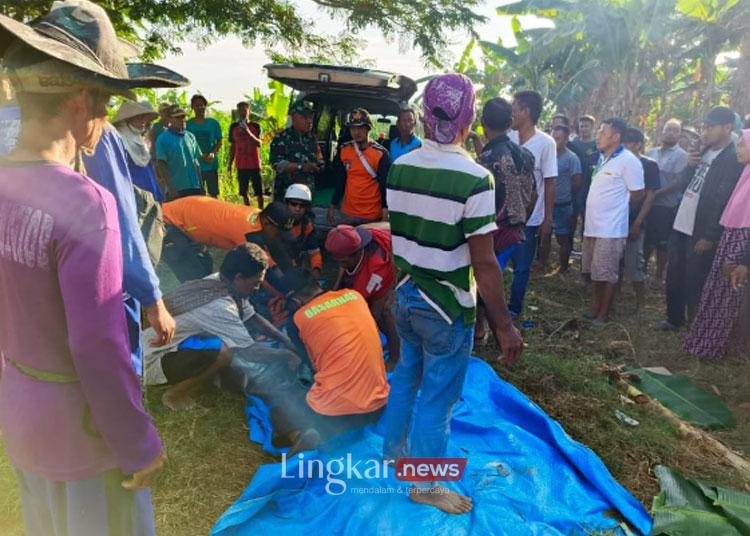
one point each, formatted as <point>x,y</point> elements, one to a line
<point>638,59</point>
<point>715,26</point>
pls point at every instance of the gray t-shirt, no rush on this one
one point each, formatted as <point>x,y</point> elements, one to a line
<point>568,165</point>
<point>685,219</point>
<point>219,318</point>
<point>672,162</point>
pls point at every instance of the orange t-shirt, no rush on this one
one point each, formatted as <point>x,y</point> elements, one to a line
<point>212,222</point>
<point>344,346</point>
<point>362,197</point>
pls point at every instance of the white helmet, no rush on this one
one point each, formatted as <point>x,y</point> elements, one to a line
<point>299,191</point>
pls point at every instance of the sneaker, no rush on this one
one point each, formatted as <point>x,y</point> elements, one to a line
<point>599,324</point>
<point>665,325</point>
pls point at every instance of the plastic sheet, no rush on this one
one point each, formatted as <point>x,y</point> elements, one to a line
<point>524,473</point>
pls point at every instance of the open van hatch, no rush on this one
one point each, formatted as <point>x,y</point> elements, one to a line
<point>345,88</point>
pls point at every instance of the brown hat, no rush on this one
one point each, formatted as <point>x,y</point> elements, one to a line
<point>74,45</point>
<point>174,110</point>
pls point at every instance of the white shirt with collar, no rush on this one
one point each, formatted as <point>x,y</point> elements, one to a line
<point>609,197</point>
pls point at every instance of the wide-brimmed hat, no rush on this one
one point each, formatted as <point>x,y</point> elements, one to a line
<point>131,109</point>
<point>79,34</point>
<point>345,240</point>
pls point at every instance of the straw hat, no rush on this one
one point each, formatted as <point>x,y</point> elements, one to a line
<point>131,109</point>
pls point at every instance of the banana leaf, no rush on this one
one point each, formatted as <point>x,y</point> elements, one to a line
<point>737,507</point>
<point>691,507</point>
<point>689,402</point>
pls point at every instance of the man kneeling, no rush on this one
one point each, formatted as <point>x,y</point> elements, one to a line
<point>212,316</point>
<point>342,341</point>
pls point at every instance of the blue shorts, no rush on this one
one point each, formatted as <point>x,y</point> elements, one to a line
<point>561,216</point>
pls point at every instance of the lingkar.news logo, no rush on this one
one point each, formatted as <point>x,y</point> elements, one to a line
<point>338,471</point>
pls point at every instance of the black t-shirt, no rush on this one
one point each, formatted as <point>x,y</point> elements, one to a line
<point>651,181</point>
<point>588,154</point>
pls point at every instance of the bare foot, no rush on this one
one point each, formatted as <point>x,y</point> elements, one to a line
<point>177,401</point>
<point>442,498</point>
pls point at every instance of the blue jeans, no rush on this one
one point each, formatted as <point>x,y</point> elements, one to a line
<point>434,358</point>
<point>523,258</point>
<point>504,256</point>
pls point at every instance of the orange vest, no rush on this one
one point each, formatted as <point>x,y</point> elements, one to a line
<point>362,195</point>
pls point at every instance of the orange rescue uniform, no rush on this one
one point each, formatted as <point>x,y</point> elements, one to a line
<point>211,221</point>
<point>363,195</point>
<point>344,346</point>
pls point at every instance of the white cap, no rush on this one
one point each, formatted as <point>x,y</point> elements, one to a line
<point>299,191</point>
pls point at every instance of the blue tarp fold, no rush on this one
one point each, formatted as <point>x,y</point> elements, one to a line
<point>524,473</point>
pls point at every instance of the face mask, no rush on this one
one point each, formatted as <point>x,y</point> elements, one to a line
<point>137,130</point>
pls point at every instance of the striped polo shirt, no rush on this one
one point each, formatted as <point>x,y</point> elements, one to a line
<point>438,197</point>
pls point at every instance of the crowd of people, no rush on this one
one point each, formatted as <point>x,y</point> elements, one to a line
<point>422,234</point>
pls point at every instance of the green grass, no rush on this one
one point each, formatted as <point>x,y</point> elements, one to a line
<point>211,460</point>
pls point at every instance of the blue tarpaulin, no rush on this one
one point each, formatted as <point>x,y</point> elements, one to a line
<point>525,475</point>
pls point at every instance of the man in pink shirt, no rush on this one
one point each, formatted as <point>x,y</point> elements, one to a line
<point>83,447</point>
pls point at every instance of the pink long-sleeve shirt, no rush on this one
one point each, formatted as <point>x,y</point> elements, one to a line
<point>61,312</point>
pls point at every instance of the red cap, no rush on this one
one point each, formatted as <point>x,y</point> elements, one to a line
<point>346,240</point>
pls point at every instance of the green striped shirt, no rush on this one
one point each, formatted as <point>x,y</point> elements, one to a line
<point>438,197</point>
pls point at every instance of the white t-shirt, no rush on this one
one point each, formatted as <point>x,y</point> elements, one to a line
<point>684,222</point>
<point>609,197</point>
<point>543,147</point>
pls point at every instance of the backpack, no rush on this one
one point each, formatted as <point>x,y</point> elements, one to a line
<point>151,221</point>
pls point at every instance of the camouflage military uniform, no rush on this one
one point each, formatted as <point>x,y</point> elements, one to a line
<point>291,146</point>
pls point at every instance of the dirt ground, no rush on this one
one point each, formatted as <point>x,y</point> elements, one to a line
<point>211,460</point>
